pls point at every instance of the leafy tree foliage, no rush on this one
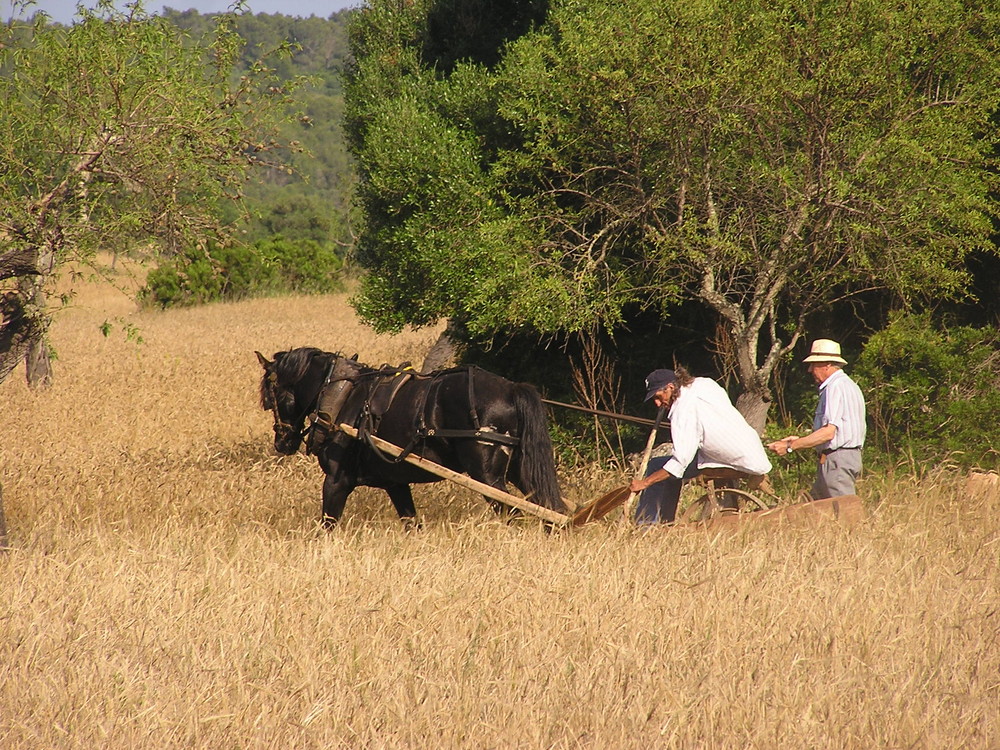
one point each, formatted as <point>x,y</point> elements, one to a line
<point>932,391</point>
<point>764,159</point>
<point>120,130</point>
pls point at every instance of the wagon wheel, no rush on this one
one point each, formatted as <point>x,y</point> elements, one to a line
<point>702,509</point>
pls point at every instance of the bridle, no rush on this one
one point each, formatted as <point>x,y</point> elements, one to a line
<point>283,430</point>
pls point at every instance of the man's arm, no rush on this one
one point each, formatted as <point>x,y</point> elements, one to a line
<point>638,485</point>
<point>824,434</point>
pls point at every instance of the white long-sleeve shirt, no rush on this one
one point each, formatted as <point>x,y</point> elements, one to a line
<point>705,425</point>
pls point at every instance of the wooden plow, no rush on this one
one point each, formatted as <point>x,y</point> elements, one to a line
<point>706,513</point>
<point>846,510</point>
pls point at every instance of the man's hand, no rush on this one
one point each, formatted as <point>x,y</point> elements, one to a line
<point>784,446</point>
<point>638,485</point>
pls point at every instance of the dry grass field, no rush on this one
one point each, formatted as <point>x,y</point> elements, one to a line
<point>169,587</point>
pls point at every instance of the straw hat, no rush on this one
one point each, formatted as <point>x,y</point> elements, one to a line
<point>825,350</point>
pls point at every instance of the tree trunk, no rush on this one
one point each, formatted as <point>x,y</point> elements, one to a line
<point>447,350</point>
<point>38,358</point>
<point>17,331</point>
<point>754,401</point>
<point>38,364</point>
<point>754,408</point>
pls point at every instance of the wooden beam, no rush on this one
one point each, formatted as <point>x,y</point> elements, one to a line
<point>527,506</point>
<point>845,510</point>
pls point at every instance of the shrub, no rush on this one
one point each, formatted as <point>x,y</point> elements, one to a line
<point>304,266</point>
<point>932,392</point>
<point>269,266</point>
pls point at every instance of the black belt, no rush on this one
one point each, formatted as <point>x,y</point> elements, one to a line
<point>828,451</point>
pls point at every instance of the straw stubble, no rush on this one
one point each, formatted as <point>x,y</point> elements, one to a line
<point>169,585</point>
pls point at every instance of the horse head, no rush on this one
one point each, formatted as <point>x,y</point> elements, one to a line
<point>279,395</point>
<point>292,386</point>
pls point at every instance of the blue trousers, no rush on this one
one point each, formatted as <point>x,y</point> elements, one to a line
<point>658,502</point>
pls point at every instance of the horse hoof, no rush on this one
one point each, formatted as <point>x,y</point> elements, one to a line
<point>412,524</point>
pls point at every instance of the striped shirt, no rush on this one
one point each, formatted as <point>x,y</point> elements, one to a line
<point>842,405</point>
<point>705,426</point>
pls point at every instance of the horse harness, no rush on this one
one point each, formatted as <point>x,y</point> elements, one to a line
<point>383,385</point>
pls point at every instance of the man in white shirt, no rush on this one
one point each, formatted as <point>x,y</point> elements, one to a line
<point>707,432</point>
<point>838,426</point>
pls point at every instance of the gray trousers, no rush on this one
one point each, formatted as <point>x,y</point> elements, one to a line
<point>837,474</point>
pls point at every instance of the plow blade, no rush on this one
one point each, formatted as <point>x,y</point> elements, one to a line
<point>600,507</point>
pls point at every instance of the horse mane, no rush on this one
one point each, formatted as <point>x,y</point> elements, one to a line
<point>291,366</point>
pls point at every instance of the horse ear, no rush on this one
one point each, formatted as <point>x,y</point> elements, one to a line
<point>355,357</point>
<point>263,360</point>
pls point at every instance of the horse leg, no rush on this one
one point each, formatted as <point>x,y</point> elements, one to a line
<point>336,488</point>
<point>489,466</point>
<point>402,500</point>
<point>506,512</point>
<point>333,457</point>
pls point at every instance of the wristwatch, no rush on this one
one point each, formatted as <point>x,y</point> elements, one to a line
<point>788,447</point>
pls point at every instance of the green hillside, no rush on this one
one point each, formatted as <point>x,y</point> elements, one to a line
<point>312,202</point>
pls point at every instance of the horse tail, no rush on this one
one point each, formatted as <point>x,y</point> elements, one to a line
<point>536,462</point>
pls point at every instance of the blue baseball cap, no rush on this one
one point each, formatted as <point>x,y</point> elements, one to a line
<point>657,380</point>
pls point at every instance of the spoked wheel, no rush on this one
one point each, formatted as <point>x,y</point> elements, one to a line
<point>705,507</point>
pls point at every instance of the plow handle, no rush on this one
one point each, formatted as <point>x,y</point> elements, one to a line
<point>633,496</point>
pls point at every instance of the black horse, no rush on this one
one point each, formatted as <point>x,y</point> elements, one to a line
<point>466,419</point>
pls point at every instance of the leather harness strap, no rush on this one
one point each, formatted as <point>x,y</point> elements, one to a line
<point>370,418</point>
<point>378,401</point>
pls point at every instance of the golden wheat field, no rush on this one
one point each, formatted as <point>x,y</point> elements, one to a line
<point>168,585</point>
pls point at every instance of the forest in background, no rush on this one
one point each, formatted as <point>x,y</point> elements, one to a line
<point>313,202</point>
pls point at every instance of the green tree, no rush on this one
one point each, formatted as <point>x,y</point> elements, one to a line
<point>118,130</point>
<point>930,390</point>
<point>764,159</point>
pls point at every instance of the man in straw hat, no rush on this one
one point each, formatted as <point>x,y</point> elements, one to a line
<point>838,425</point>
<point>707,432</point>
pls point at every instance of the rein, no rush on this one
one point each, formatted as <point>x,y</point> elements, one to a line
<point>600,413</point>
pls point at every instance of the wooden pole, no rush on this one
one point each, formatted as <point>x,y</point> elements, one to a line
<point>633,496</point>
<point>527,506</point>
<point>599,413</point>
